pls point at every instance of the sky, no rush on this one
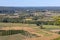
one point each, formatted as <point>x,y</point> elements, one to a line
<point>28,3</point>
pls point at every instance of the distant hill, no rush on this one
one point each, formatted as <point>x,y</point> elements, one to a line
<point>11,10</point>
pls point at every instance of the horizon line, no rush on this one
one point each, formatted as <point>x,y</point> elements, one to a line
<point>29,6</point>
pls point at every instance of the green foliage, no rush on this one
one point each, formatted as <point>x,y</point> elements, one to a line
<point>39,24</point>
<point>57,20</point>
<point>22,20</point>
<point>35,18</point>
<point>12,32</point>
<point>57,38</point>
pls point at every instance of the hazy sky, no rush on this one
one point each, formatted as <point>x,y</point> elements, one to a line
<point>24,3</point>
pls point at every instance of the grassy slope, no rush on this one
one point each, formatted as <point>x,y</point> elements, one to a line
<point>51,26</point>
<point>27,25</point>
<point>33,26</point>
<point>12,37</point>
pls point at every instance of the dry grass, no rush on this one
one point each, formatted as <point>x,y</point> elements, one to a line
<point>31,28</point>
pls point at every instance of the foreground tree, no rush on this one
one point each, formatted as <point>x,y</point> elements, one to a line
<point>38,23</point>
